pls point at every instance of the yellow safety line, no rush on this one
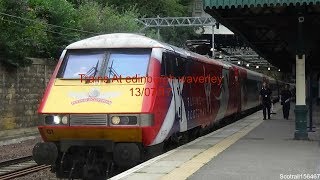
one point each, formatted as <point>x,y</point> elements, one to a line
<point>191,166</point>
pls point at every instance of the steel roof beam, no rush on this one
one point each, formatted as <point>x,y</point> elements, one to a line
<point>177,21</point>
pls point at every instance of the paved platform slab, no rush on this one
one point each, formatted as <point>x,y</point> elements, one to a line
<point>247,149</point>
<point>267,152</point>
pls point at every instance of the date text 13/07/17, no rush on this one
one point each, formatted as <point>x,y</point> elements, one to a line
<point>150,91</point>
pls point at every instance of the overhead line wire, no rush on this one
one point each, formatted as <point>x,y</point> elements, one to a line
<point>31,20</point>
<point>38,28</point>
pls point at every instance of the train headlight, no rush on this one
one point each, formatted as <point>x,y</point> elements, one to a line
<point>48,120</point>
<point>64,120</point>
<point>115,120</point>
<point>56,119</point>
<point>126,120</point>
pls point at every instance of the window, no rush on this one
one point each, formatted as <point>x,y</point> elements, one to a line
<point>128,64</point>
<point>168,62</point>
<point>108,63</point>
<point>80,63</point>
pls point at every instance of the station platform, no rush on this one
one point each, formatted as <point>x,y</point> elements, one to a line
<point>251,148</point>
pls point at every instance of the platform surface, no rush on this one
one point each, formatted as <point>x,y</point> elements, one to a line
<point>250,148</point>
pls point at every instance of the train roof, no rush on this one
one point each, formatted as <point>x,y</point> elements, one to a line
<point>117,40</point>
<point>129,40</point>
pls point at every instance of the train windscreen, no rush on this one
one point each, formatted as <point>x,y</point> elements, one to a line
<point>127,64</point>
<point>108,63</point>
<point>80,63</point>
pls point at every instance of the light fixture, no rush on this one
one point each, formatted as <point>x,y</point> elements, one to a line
<point>257,67</point>
<point>56,119</point>
<point>49,119</point>
<point>64,120</point>
<point>279,70</point>
<point>124,120</point>
<point>268,68</point>
<point>239,62</point>
<point>115,120</point>
<point>248,65</point>
<point>220,56</point>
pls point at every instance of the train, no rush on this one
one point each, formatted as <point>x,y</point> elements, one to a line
<point>115,98</point>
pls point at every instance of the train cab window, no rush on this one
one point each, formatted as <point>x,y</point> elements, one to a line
<point>164,64</point>
<point>167,64</point>
<point>127,64</point>
<point>77,63</point>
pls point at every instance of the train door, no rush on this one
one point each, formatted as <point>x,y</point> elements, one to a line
<point>243,89</point>
<point>237,89</point>
<point>179,74</point>
<point>224,94</point>
<point>175,70</point>
<point>233,106</point>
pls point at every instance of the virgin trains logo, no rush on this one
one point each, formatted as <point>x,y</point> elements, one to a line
<point>94,95</point>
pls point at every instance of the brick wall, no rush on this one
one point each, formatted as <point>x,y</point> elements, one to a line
<point>21,91</point>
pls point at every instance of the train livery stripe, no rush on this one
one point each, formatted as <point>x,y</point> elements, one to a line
<point>224,95</point>
<point>156,103</point>
<point>180,110</point>
<point>166,125</point>
<point>133,134</point>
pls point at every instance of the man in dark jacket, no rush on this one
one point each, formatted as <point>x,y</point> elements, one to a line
<point>265,99</point>
<point>285,97</point>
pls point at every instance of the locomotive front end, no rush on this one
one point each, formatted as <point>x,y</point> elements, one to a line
<point>95,112</point>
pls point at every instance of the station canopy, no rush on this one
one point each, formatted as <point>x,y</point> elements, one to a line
<point>271,28</point>
<point>256,3</point>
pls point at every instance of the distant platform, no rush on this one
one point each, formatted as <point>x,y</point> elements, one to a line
<point>17,135</point>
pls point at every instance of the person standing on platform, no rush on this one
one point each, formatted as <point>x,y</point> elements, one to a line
<point>265,100</point>
<point>285,97</point>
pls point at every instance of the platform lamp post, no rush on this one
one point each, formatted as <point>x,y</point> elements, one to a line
<point>213,26</point>
<point>301,109</point>
<point>212,42</point>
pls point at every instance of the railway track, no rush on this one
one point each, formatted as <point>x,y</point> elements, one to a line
<point>19,167</point>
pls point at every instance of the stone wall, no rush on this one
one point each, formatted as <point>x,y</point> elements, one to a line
<point>21,91</point>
